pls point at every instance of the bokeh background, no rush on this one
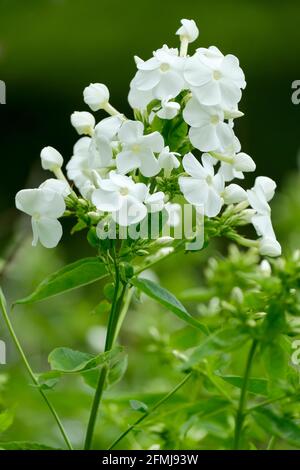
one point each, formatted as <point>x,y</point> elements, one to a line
<point>49,51</point>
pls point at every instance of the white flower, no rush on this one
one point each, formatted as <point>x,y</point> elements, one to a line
<point>261,193</point>
<point>215,80</point>
<point>51,159</point>
<point>162,74</point>
<point>78,166</point>
<point>122,197</point>
<point>96,96</point>
<point>102,143</point>
<point>234,194</point>
<point>155,202</point>
<point>269,247</point>
<point>169,109</point>
<point>58,186</point>
<point>83,122</point>
<point>168,161</point>
<point>188,30</point>
<point>241,162</point>
<point>139,99</point>
<point>202,187</point>
<point>138,149</point>
<point>44,206</point>
<point>208,130</point>
<point>174,214</point>
<point>258,197</point>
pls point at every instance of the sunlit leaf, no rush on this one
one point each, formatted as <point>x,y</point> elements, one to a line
<point>72,276</point>
<point>168,300</point>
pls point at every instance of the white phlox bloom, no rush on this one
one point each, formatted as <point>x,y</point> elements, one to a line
<point>258,197</point>
<point>168,161</point>
<point>94,153</point>
<point>138,149</point>
<point>233,194</point>
<point>169,109</point>
<point>214,79</point>
<point>51,159</point>
<point>83,122</point>
<point>78,169</point>
<point>127,201</point>
<point>188,30</point>
<point>202,187</point>
<point>96,96</point>
<point>241,163</point>
<point>139,99</point>
<point>162,74</point>
<point>208,130</point>
<point>45,207</point>
<point>58,186</point>
<point>103,142</point>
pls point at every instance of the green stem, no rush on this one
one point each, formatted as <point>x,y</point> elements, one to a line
<point>110,338</point>
<point>243,397</point>
<point>30,371</point>
<point>271,443</point>
<point>151,411</point>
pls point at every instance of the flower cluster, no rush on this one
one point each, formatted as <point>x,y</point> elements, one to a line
<point>181,144</point>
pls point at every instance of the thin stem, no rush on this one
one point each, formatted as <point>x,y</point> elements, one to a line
<point>271,443</point>
<point>110,339</point>
<point>113,111</point>
<point>151,411</point>
<point>127,300</point>
<point>30,371</point>
<point>243,397</point>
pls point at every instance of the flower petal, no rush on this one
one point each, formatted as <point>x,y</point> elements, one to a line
<point>49,231</point>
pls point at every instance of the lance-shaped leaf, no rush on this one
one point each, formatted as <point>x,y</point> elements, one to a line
<point>80,273</point>
<point>280,426</point>
<point>255,385</point>
<point>168,300</point>
<point>224,340</point>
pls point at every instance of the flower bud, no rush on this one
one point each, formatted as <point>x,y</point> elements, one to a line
<point>96,96</point>
<point>188,30</point>
<point>51,159</point>
<point>83,122</point>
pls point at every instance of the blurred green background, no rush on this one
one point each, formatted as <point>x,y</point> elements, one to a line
<point>49,51</point>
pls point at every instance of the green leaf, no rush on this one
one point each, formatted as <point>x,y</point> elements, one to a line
<point>275,362</point>
<point>197,294</point>
<point>177,135</point>
<point>137,405</point>
<point>224,340</point>
<point>117,369</point>
<point>255,385</point>
<point>48,380</point>
<point>6,420</point>
<point>279,426</point>
<point>68,361</point>
<point>72,276</point>
<point>24,445</point>
<point>168,300</point>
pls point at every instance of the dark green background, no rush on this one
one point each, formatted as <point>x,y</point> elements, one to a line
<point>49,51</point>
